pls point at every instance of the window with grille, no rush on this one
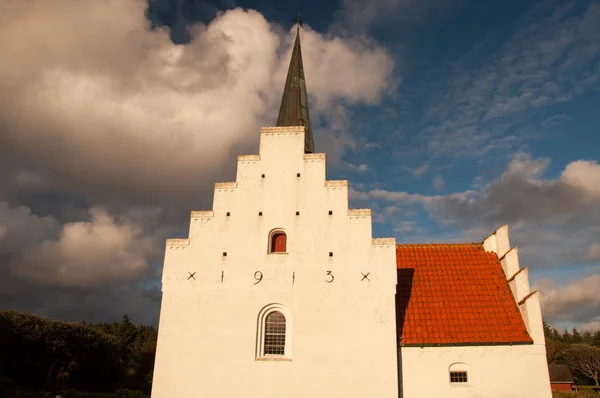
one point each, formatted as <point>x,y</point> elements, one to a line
<point>274,334</point>
<point>458,377</point>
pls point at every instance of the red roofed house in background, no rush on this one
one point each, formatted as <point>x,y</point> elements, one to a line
<point>281,291</point>
<point>560,378</point>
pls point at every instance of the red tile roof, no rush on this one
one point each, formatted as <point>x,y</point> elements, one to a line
<point>455,294</point>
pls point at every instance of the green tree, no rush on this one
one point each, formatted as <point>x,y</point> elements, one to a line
<point>8,389</point>
<point>587,337</point>
<point>45,354</point>
<point>41,352</point>
<point>566,337</point>
<point>547,329</point>
<point>585,359</point>
<point>555,351</point>
<point>576,337</point>
<point>126,333</point>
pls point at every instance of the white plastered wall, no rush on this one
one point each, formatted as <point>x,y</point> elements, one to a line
<point>343,333</point>
<point>517,371</point>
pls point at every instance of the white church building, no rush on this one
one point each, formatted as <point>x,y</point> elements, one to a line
<point>281,291</point>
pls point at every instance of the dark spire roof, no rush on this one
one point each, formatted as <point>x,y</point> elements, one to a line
<point>294,102</point>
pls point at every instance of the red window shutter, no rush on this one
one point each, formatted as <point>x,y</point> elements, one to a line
<point>279,243</point>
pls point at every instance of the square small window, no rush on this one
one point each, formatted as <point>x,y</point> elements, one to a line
<point>297,174</point>
<point>458,377</point>
<point>262,176</point>
<point>228,214</point>
<point>330,212</point>
<point>260,213</point>
<point>224,254</point>
<point>330,254</point>
<point>297,213</point>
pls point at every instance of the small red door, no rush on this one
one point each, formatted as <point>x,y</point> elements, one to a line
<point>278,244</point>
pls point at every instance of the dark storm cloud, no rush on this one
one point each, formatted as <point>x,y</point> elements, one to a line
<point>111,134</point>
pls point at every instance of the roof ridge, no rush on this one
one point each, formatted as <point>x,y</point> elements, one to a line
<point>477,244</point>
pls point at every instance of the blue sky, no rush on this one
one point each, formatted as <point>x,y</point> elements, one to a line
<point>449,119</point>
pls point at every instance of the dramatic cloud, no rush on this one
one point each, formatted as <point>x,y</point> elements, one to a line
<point>94,270</point>
<point>577,301</point>
<point>19,229</point>
<point>78,254</point>
<point>101,103</point>
<point>88,253</point>
<point>111,134</point>
<point>556,221</point>
<point>326,60</point>
<point>521,194</point>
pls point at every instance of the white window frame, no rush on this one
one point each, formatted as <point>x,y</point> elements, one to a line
<point>261,330</point>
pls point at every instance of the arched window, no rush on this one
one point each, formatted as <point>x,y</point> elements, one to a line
<point>277,241</point>
<point>275,334</point>
<point>459,373</point>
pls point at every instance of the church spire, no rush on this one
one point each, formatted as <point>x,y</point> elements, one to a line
<point>294,102</point>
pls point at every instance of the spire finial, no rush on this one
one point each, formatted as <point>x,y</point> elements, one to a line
<point>294,101</point>
<point>298,21</point>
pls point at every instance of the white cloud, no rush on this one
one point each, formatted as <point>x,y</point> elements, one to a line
<point>356,168</point>
<point>372,145</point>
<point>99,102</point>
<point>100,108</point>
<point>404,227</point>
<point>593,254</point>
<point>421,170</point>
<point>88,253</point>
<point>352,68</point>
<point>551,58</point>
<point>578,300</point>
<point>555,221</point>
<point>438,183</point>
<point>591,326</point>
<point>585,176</point>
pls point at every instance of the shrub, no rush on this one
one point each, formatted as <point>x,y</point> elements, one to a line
<point>8,389</point>
<point>583,393</point>
<point>125,393</point>
<point>69,394</point>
